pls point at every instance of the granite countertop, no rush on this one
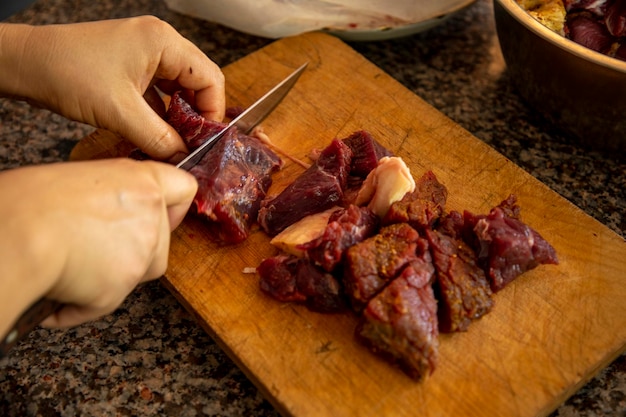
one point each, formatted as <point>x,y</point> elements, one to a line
<point>150,357</point>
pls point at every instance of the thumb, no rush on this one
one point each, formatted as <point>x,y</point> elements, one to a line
<point>179,188</point>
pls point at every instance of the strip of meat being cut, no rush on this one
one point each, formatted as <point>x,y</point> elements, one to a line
<point>317,189</point>
<point>233,177</point>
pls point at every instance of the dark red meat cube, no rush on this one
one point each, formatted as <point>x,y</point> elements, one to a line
<point>371,264</point>
<point>322,290</point>
<point>288,278</point>
<point>318,188</point>
<point>400,323</point>
<point>461,286</point>
<point>421,208</point>
<point>278,278</point>
<point>366,153</point>
<point>506,247</point>
<point>345,228</point>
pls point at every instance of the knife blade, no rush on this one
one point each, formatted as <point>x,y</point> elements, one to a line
<point>248,119</point>
<point>245,122</point>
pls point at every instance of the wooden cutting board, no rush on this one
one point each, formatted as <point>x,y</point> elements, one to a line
<point>550,331</point>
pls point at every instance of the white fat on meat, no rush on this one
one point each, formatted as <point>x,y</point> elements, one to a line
<point>303,231</point>
<point>385,184</point>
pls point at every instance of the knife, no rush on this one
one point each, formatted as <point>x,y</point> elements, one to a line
<point>248,119</point>
<point>245,122</point>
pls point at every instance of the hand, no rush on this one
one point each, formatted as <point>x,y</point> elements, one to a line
<point>86,233</point>
<point>99,72</point>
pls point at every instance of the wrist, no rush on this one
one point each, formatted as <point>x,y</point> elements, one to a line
<point>31,259</point>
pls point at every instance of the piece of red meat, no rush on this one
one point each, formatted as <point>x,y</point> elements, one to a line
<point>506,247</point>
<point>288,278</point>
<point>590,32</point>
<point>322,290</point>
<point>233,177</point>
<point>423,207</point>
<point>278,278</point>
<point>345,228</point>
<point>597,7</point>
<point>366,153</point>
<point>615,18</point>
<point>191,126</point>
<point>461,285</point>
<point>371,264</point>
<point>400,323</point>
<point>318,188</point>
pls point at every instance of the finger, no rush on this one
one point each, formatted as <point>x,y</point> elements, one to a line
<point>179,188</point>
<point>195,71</point>
<point>211,103</point>
<point>142,126</point>
<point>157,267</point>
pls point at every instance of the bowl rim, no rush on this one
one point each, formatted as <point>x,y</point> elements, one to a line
<point>521,15</point>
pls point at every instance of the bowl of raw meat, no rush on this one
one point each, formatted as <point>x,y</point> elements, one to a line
<point>567,59</point>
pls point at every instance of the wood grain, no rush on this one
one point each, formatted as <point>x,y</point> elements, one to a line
<point>550,331</point>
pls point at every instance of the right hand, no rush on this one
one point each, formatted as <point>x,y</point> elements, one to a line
<point>86,233</point>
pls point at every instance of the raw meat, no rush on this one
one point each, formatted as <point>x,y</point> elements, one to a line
<point>400,323</point>
<point>421,208</point>
<point>233,177</point>
<point>371,264</point>
<point>191,126</point>
<point>461,286</point>
<point>506,247</point>
<point>345,228</point>
<point>289,278</point>
<point>319,188</point>
<point>366,153</point>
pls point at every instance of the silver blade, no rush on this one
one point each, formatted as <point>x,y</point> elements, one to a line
<point>248,119</point>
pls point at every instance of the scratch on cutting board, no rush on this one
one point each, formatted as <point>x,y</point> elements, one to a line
<point>326,347</point>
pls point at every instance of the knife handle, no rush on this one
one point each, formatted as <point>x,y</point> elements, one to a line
<point>27,322</point>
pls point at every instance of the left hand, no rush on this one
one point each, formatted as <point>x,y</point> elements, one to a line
<point>98,73</point>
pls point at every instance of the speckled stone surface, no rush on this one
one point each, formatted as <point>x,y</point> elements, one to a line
<point>150,357</point>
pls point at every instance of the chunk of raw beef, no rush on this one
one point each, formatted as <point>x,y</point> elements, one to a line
<point>289,278</point>
<point>506,247</point>
<point>318,188</point>
<point>233,177</point>
<point>366,153</point>
<point>421,208</point>
<point>461,286</point>
<point>371,264</point>
<point>345,228</point>
<point>400,323</point>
